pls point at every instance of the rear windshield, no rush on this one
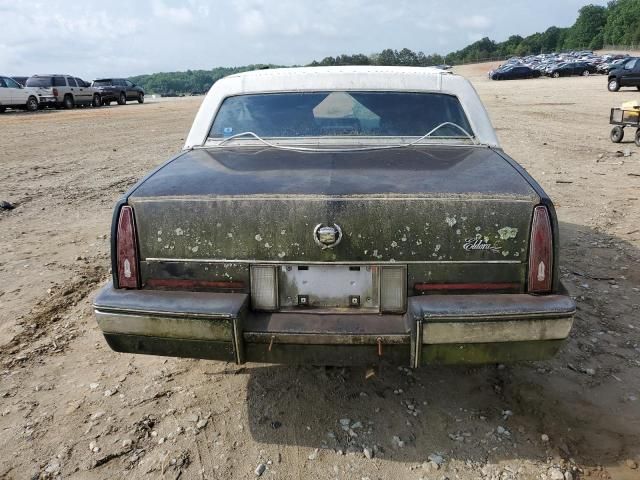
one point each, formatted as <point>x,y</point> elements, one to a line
<point>39,82</point>
<point>318,114</point>
<point>102,83</point>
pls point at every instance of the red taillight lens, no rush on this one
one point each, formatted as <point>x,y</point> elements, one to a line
<point>127,250</point>
<point>541,252</point>
<point>55,92</point>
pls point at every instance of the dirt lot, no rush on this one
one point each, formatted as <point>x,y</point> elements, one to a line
<point>71,407</point>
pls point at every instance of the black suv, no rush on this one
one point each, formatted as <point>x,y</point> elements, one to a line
<point>118,90</point>
<point>626,74</point>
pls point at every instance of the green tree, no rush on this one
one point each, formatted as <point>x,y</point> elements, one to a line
<point>591,22</point>
<point>623,23</point>
<point>388,57</point>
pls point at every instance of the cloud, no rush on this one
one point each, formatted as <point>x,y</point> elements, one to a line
<point>252,23</point>
<point>475,22</point>
<point>178,15</point>
<point>94,38</point>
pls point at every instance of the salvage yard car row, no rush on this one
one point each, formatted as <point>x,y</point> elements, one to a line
<point>64,91</point>
<point>558,65</point>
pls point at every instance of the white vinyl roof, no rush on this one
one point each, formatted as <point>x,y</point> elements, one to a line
<point>351,78</point>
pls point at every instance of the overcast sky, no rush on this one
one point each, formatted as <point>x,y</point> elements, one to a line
<point>91,38</point>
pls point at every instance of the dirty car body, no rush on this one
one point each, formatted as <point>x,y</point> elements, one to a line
<point>338,216</point>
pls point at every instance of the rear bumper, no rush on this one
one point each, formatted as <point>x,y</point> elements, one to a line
<point>435,329</point>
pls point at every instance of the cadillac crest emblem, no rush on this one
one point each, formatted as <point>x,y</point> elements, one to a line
<point>326,236</point>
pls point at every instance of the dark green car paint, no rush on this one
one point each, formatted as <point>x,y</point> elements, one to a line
<point>208,214</point>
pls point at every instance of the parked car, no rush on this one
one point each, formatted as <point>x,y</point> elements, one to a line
<point>606,67</point>
<point>564,63</point>
<point>118,90</point>
<point>514,72</point>
<point>572,68</point>
<point>340,216</point>
<point>69,91</point>
<point>626,74</point>
<point>14,95</point>
<point>21,80</point>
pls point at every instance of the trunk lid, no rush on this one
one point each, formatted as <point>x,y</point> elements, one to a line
<point>420,204</point>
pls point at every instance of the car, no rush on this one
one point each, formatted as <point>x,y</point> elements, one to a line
<point>21,80</point>
<point>14,95</point>
<point>625,74</point>
<point>118,90</point>
<point>69,91</point>
<point>514,72</point>
<point>607,66</point>
<point>572,68</point>
<point>337,216</point>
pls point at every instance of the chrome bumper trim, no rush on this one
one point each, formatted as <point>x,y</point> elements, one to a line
<point>496,331</point>
<point>163,326</point>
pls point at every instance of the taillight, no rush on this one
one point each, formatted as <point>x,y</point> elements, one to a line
<point>540,252</point>
<point>55,92</point>
<point>127,250</point>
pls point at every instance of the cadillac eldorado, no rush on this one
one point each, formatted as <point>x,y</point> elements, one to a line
<point>338,216</point>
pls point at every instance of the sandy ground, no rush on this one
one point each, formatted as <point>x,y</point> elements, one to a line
<point>71,407</point>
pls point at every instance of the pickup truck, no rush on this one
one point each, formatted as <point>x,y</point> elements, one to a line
<point>338,216</point>
<point>625,74</point>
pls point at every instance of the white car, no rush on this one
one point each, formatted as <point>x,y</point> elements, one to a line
<point>14,95</point>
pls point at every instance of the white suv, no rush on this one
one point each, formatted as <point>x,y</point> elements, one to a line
<point>14,95</point>
<point>69,91</point>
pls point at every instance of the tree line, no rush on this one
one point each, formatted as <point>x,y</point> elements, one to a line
<point>617,23</point>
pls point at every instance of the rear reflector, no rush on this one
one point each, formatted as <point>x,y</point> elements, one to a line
<point>193,284</point>
<point>127,250</point>
<point>393,289</point>
<point>540,252</point>
<point>264,288</point>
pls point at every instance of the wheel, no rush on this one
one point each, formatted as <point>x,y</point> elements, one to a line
<point>585,73</point>
<point>556,74</point>
<point>637,139</point>
<point>68,102</point>
<point>141,98</point>
<point>638,87</point>
<point>122,99</point>
<point>32,104</point>
<point>97,102</point>
<point>613,85</point>
<point>617,134</point>
<point>3,109</point>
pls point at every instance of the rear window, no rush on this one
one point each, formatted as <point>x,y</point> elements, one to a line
<point>340,113</point>
<point>39,82</point>
<point>59,82</point>
<point>102,83</point>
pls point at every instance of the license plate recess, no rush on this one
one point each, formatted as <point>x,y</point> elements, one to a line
<point>329,287</point>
